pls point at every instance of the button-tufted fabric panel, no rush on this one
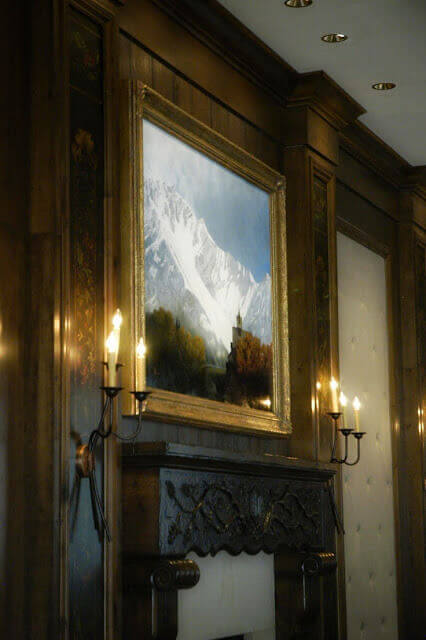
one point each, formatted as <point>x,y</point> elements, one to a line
<point>368,486</point>
<point>235,596</point>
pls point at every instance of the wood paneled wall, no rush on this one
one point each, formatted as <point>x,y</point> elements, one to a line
<point>14,132</point>
<point>138,63</point>
<point>182,61</point>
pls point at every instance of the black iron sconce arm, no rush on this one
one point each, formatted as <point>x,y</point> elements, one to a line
<point>85,454</point>
<point>358,435</point>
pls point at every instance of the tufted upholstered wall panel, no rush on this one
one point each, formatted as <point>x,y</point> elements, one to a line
<point>368,486</point>
<point>235,596</point>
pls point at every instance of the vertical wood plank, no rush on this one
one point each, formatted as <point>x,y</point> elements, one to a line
<point>141,67</point>
<point>411,476</point>
<point>192,100</point>
<point>163,79</point>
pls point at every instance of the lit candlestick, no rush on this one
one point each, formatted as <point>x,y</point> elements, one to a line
<point>117,321</point>
<point>334,385</point>
<point>343,403</point>
<point>357,406</point>
<point>140,365</point>
<point>112,348</point>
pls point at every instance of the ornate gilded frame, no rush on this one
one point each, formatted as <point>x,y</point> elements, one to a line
<point>141,102</point>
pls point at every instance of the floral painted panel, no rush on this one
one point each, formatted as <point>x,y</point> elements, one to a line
<point>86,57</point>
<point>86,256</point>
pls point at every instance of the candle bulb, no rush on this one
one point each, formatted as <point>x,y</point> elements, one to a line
<point>343,403</point>
<point>117,321</point>
<point>357,406</point>
<point>112,349</point>
<point>140,365</point>
<point>334,385</point>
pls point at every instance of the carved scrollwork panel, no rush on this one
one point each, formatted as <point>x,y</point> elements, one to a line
<point>208,512</point>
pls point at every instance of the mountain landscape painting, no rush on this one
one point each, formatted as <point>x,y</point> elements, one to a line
<point>208,321</point>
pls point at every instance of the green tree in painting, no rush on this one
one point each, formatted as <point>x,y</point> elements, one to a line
<point>175,357</point>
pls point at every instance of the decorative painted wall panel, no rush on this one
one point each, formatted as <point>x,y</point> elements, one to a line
<point>368,487</point>
<point>86,212</point>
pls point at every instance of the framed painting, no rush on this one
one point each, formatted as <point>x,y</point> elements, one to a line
<point>203,246</point>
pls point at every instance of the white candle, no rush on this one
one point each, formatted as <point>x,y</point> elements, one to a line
<point>140,366</point>
<point>112,349</point>
<point>357,406</point>
<point>343,403</point>
<point>334,385</point>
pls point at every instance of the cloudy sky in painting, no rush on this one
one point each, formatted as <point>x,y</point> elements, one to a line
<point>236,212</point>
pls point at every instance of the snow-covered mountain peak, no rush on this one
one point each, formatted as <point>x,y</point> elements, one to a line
<point>191,276</point>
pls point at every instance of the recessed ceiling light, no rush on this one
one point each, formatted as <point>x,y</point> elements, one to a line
<point>297,4</point>
<point>334,37</point>
<point>384,86</point>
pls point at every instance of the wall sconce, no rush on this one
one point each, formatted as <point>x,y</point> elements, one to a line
<point>345,431</point>
<point>335,414</point>
<point>85,454</point>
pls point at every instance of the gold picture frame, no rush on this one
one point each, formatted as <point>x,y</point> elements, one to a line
<point>142,102</point>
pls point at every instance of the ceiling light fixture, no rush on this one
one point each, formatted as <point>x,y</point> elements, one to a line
<point>297,4</point>
<point>333,38</point>
<point>384,86</point>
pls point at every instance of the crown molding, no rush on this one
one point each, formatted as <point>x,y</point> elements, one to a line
<point>105,8</point>
<point>415,181</point>
<point>224,34</point>
<point>319,92</point>
<point>219,30</point>
<point>361,143</point>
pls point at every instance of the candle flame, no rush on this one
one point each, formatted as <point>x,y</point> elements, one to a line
<point>318,386</point>
<point>356,404</point>
<point>343,399</point>
<point>112,343</point>
<point>140,349</point>
<point>266,402</point>
<point>333,384</point>
<point>117,320</point>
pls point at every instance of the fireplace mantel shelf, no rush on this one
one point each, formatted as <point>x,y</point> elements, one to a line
<point>178,498</point>
<point>187,456</point>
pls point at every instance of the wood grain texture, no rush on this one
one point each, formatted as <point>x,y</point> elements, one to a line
<point>157,32</point>
<point>136,63</point>
<point>46,452</point>
<point>309,270</point>
<point>371,225</point>
<point>14,194</point>
<point>411,433</point>
<point>300,274</point>
<point>12,429</point>
<point>362,180</point>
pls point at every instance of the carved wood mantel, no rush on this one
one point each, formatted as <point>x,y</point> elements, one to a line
<point>178,499</point>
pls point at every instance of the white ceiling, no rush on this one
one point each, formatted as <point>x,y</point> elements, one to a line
<point>386,43</point>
